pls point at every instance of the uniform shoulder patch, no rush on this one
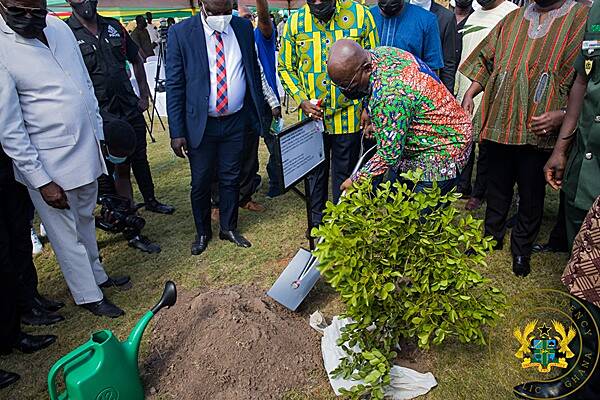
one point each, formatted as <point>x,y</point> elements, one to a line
<point>112,32</point>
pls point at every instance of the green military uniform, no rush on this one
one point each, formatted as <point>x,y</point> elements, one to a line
<point>581,183</point>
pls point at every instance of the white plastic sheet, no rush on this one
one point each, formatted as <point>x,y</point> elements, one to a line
<point>405,382</point>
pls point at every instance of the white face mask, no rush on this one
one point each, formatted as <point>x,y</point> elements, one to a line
<point>217,22</point>
<point>426,4</point>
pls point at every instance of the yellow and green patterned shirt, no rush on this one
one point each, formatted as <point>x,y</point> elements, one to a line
<point>303,60</point>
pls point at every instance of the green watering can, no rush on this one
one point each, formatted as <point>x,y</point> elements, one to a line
<point>104,368</point>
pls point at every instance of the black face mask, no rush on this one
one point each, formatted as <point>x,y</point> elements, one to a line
<point>28,25</point>
<point>356,93</point>
<point>485,3</point>
<point>323,11</point>
<point>87,9</point>
<point>391,8</point>
<point>465,4</point>
<point>545,3</point>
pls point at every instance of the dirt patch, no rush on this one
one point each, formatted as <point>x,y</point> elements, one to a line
<point>410,356</point>
<point>232,343</point>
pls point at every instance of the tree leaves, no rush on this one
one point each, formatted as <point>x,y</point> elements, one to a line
<point>404,267</point>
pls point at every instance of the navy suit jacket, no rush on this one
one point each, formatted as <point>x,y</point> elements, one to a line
<point>188,80</point>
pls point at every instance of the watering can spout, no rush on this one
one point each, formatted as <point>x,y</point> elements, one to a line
<point>168,299</point>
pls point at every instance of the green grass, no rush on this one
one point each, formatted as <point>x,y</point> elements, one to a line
<point>462,371</point>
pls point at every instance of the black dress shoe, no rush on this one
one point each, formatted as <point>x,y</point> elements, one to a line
<point>121,282</point>
<point>235,237</point>
<point>144,244</point>
<point>548,248</point>
<point>38,316</point>
<point>521,266</point>
<point>7,378</point>
<point>32,343</point>
<point>200,245</point>
<point>155,206</point>
<point>104,308</point>
<point>47,304</point>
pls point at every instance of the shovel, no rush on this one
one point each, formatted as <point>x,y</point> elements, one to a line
<point>301,274</point>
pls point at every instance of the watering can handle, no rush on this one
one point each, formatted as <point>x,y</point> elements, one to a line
<point>56,368</point>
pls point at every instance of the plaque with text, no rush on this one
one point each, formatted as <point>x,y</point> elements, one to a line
<point>299,150</point>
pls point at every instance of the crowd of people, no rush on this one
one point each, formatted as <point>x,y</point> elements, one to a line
<point>506,91</point>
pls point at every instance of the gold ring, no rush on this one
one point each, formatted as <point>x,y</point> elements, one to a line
<point>309,115</point>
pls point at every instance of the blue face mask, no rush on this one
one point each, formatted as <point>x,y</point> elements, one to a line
<point>115,160</point>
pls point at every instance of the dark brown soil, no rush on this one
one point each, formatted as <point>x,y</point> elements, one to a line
<point>232,343</point>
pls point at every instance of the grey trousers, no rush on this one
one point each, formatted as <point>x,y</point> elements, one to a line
<point>72,234</point>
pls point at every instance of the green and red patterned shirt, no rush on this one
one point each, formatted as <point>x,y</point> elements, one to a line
<point>417,122</point>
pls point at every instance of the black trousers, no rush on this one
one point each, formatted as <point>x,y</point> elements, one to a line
<point>341,155</point>
<point>558,236</point>
<point>28,280</point>
<point>272,171</point>
<point>139,159</point>
<point>523,165</point>
<point>221,148</point>
<point>479,188</point>
<point>15,258</point>
<point>249,177</point>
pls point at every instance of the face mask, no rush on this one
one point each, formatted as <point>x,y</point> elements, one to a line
<point>391,7</point>
<point>464,4</point>
<point>217,22</point>
<point>426,4</point>
<point>323,11</point>
<point>87,9</point>
<point>485,3</point>
<point>28,25</point>
<point>355,94</point>
<point>545,3</point>
<point>115,160</point>
<point>277,126</point>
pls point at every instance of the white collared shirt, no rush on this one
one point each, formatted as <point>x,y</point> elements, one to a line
<point>154,37</point>
<point>234,67</point>
<point>49,118</point>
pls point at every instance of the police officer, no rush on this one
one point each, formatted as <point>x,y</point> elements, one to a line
<point>578,173</point>
<point>106,46</point>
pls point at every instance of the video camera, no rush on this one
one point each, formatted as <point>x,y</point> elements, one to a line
<point>117,215</point>
<point>163,31</point>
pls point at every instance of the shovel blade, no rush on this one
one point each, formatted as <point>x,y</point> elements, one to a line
<point>284,291</point>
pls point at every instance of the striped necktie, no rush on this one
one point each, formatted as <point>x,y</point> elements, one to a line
<point>221,105</point>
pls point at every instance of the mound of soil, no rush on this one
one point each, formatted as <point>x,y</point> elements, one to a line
<point>232,343</point>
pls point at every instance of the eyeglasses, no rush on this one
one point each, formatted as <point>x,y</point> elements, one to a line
<point>347,88</point>
<point>23,11</point>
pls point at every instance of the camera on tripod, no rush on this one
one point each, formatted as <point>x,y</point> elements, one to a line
<point>117,215</point>
<point>163,31</point>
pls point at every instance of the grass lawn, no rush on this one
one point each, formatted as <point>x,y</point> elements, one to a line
<point>462,371</point>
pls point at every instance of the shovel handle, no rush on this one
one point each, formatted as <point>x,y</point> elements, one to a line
<point>60,364</point>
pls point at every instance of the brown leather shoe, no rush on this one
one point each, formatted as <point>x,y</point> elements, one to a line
<point>253,206</point>
<point>473,204</point>
<point>215,215</point>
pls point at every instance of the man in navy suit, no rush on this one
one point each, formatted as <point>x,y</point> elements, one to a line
<point>214,95</point>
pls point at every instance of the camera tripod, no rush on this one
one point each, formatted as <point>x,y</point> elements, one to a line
<point>159,87</point>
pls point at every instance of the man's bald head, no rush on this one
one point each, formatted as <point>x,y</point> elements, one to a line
<point>346,57</point>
